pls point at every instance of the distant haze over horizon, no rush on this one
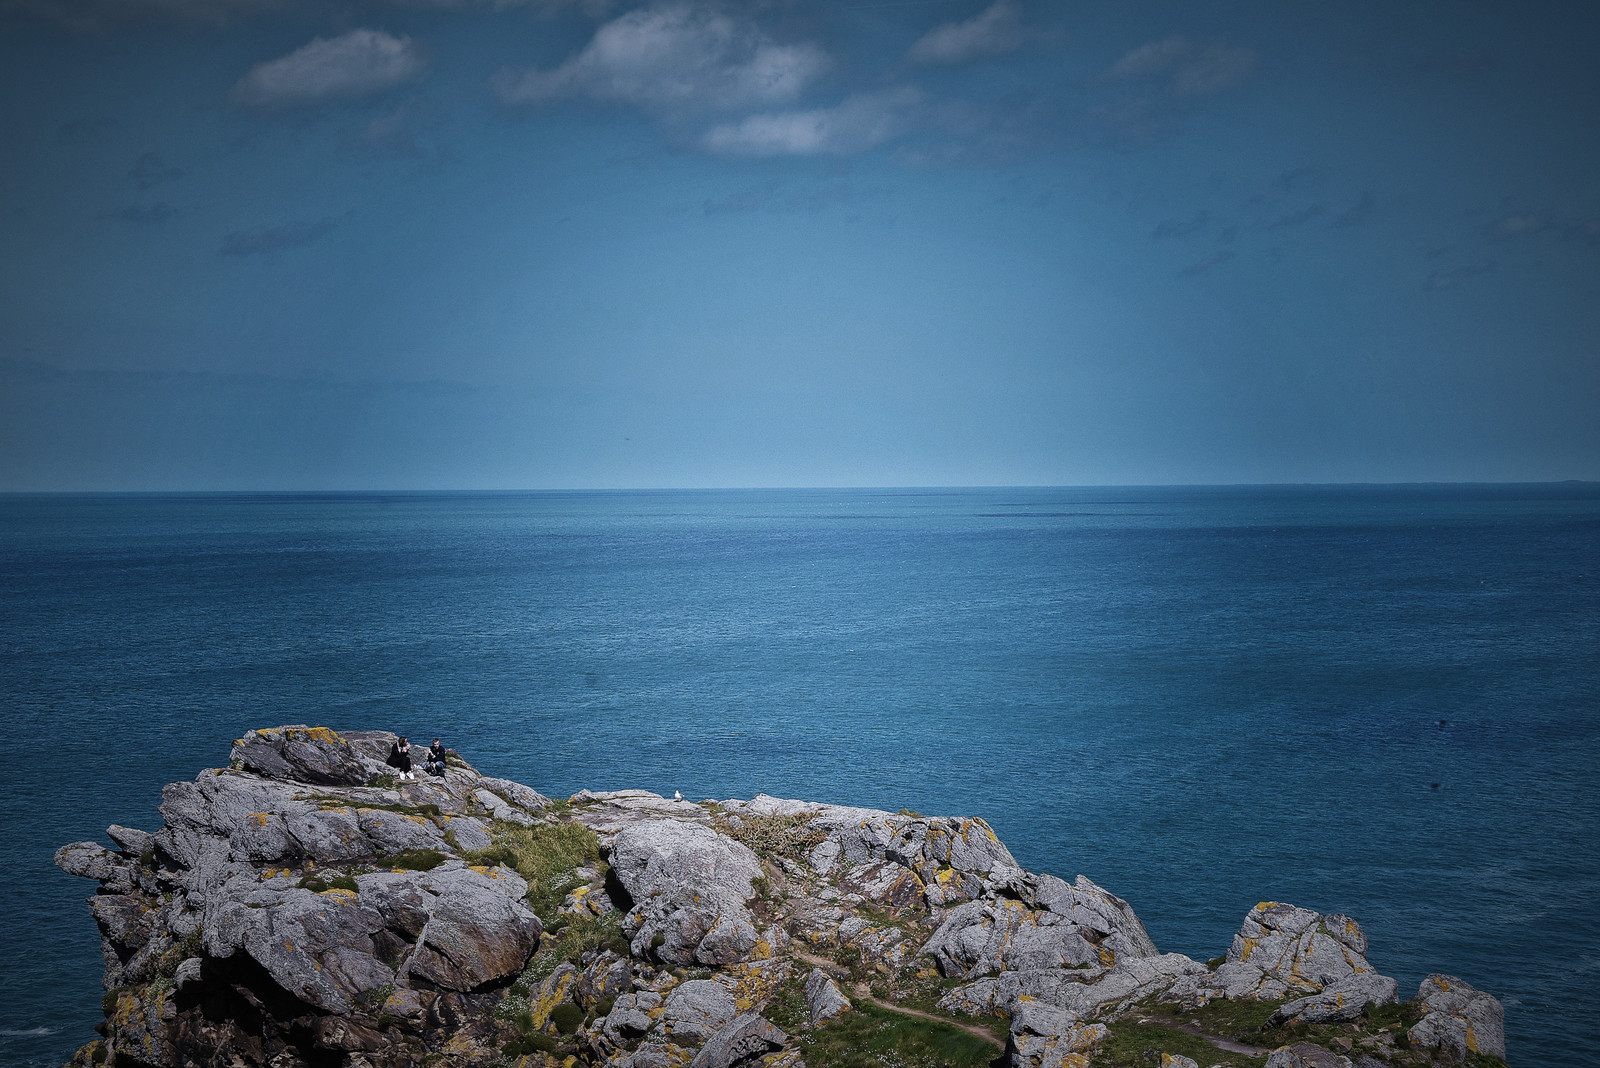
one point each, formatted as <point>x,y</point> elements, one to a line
<point>286,245</point>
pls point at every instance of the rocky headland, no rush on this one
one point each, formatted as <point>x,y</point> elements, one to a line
<point>303,908</point>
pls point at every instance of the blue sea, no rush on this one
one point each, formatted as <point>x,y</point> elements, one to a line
<point>1378,700</point>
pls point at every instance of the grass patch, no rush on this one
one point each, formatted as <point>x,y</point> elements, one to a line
<point>545,855</point>
<point>872,1037</point>
<point>569,941</point>
<point>773,836</point>
<point>1128,1041</point>
<point>416,859</point>
<point>1242,1020</point>
<point>318,883</point>
<point>386,782</point>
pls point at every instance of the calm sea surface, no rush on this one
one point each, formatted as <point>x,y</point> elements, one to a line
<point>1381,701</point>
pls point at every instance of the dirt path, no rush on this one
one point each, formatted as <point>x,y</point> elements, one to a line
<point>860,992</point>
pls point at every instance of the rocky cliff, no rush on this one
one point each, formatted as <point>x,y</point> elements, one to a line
<point>301,907</point>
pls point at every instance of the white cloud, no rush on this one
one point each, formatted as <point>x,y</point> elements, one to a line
<point>355,64</point>
<point>859,123</point>
<point>991,33</point>
<point>673,57</point>
<point>1191,68</point>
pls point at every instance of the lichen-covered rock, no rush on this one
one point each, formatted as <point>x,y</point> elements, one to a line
<point>1088,993</point>
<point>305,754</point>
<point>1306,1055</point>
<point>824,1000</point>
<point>689,886</point>
<point>696,1010</point>
<point>1045,1036</point>
<point>1343,1000</point>
<point>1458,1019</point>
<point>1282,950</point>
<point>740,1041</point>
<point>288,914</point>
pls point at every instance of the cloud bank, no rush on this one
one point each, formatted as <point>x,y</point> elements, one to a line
<point>669,58</point>
<point>992,33</point>
<point>357,64</point>
<point>1189,68</point>
<point>859,123</point>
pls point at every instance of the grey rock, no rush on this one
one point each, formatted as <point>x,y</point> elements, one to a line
<point>313,755</point>
<point>1045,1036</point>
<point>740,1041</point>
<point>1176,1060</point>
<point>529,800</point>
<point>696,1010</point>
<point>604,977</point>
<point>1340,1001</point>
<point>480,929</point>
<point>188,971</point>
<point>630,1016</point>
<point>687,882</point>
<point>1087,992</point>
<point>90,860</point>
<point>1459,1019</point>
<point>824,1000</point>
<point>1305,1055</point>
<point>994,935</point>
<point>1295,950</point>
<point>133,842</point>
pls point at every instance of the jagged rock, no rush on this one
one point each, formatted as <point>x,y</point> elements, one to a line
<point>1172,1060</point>
<point>954,859</point>
<point>689,886</point>
<point>1339,1001</point>
<point>604,977</point>
<point>1306,1055</point>
<point>286,914</point>
<point>1075,927</point>
<point>824,999</point>
<point>133,842</point>
<point>529,800</point>
<point>740,1041</point>
<point>1088,992</point>
<point>1045,1036</point>
<point>1459,1019</point>
<point>695,1010</point>
<point>299,753</point>
<point>90,860</point>
<point>1281,950</point>
<point>608,812</point>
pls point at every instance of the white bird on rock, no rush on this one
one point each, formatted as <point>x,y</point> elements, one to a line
<point>677,795</point>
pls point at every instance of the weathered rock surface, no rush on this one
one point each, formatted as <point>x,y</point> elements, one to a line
<point>303,909</point>
<point>1459,1019</point>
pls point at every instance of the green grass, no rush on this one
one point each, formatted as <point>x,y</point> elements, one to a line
<point>871,1037</point>
<point>415,859</point>
<point>320,883</point>
<point>1128,1041</point>
<point>545,855</point>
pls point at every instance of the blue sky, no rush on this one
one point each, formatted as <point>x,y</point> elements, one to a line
<point>281,244</point>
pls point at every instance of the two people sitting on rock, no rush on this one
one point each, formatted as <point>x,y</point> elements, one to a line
<point>433,763</point>
<point>399,758</point>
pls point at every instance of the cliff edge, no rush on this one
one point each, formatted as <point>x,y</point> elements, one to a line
<point>304,908</point>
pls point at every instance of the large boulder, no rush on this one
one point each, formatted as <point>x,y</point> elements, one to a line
<point>1281,950</point>
<point>1340,1001</point>
<point>824,1000</point>
<point>689,886</point>
<point>1087,993</point>
<point>314,755</point>
<point>740,1041</point>
<point>1459,1019</point>
<point>1044,1036</point>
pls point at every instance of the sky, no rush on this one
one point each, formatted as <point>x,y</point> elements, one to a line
<point>522,244</point>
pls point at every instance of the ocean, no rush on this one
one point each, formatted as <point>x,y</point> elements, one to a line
<point>1383,701</point>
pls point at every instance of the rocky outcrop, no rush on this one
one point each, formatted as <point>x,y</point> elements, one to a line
<point>1458,1020</point>
<point>301,908</point>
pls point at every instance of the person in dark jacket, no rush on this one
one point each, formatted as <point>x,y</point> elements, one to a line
<point>400,757</point>
<point>433,764</point>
